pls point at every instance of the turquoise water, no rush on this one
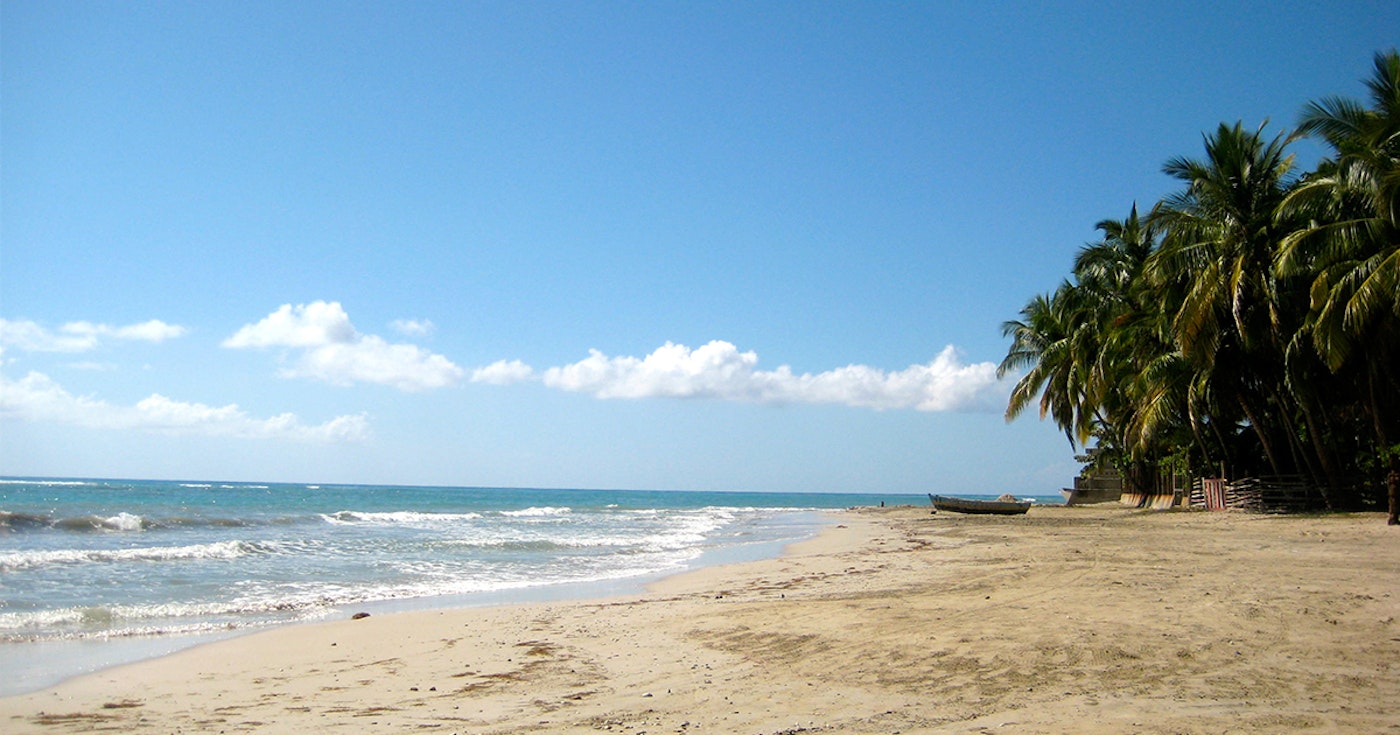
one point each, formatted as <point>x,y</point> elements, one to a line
<point>93,567</point>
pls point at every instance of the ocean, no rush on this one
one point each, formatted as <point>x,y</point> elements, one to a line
<point>95,572</point>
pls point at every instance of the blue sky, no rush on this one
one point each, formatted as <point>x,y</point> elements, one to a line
<point>747,246</point>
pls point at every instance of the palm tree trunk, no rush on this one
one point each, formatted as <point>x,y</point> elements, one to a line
<point>1263,437</point>
<point>1196,434</point>
<point>1392,479</point>
<point>1393,492</point>
<point>1227,458</point>
<point>1329,488</point>
<point>1301,456</point>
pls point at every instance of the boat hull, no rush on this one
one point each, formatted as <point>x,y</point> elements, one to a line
<point>985,507</point>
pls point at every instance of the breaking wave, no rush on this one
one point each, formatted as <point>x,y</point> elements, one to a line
<point>14,561</point>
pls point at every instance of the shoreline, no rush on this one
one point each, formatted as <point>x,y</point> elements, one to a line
<point>58,661</point>
<point>1093,619</point>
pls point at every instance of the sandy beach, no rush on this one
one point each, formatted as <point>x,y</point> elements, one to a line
<point>1086,620</point>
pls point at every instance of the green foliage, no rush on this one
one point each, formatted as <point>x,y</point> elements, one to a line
<point>1250,322</point>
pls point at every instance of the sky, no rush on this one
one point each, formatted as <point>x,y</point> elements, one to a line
<point>671,245</point>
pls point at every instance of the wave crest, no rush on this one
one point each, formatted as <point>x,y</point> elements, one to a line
<point>15,561</point>
<point>398,517</point>
<point>542,512</point>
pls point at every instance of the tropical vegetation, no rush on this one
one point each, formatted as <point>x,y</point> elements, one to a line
<point>1248,324</point>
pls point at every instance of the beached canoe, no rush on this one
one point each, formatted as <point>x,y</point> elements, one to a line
<point>965,505</point>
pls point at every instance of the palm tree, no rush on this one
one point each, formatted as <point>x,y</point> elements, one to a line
<point>1084,346</point>
<point>1218,247</point>
<point>1252,312</point>
<point>1351,245</point>
<point>1127,323</point>
<point>1114,266</point>
<point>1353,239</point>
<point>1053,343</point>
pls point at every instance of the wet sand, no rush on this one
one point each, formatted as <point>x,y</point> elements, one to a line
<point>1088,620</point>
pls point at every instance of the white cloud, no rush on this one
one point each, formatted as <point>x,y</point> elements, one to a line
<point>716,370</point>
<point>719,370</point>
<point>503,372</point>
<point>305,325</point>
<point>331,350</point>
<point>943,384</point>
<point>413,327</point>
<point>36,397</point>
<point>92,366</point>
<point>28,336</point>
<point>80,336</point>
<point>370,359</point>
<point>151,331</point>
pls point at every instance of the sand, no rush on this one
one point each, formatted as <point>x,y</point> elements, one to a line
<point>1067,620</point>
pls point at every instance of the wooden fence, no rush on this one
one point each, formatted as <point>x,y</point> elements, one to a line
<point>1289,494</point>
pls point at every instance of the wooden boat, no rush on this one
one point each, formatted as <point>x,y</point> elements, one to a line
<point>966,505</point>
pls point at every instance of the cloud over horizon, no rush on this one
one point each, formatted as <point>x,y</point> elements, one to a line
<point>718,370</point>
<point>331,350</point>
<point>37,397</point>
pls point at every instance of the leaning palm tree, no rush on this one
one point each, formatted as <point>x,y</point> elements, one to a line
<point>1054,343</point>
<point>1083,345</point>
<point>1351,246</point>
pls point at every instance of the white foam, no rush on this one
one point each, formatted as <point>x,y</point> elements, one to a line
<point>125,522</point>
<point>17,560</point>
<point>404,517</point>
<point>51,483</point>
<point>536,512</point>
